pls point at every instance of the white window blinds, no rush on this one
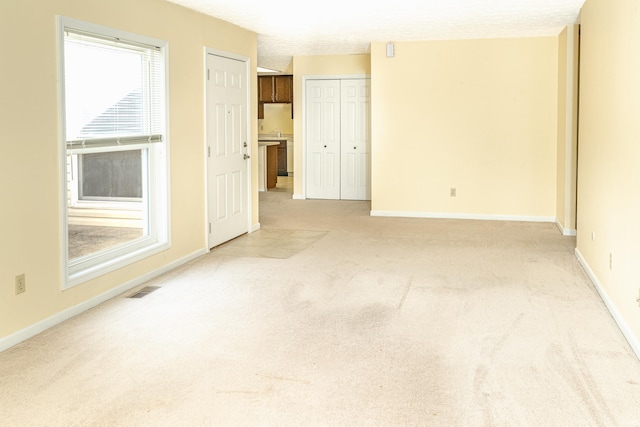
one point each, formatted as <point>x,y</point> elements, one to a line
<point>113,91</point>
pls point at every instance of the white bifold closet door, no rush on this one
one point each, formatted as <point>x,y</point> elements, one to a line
<point>338,139</point>
<point>323,139</point>
<point>355,139</point>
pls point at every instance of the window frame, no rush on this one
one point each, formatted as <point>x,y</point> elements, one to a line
<point>157,214</point>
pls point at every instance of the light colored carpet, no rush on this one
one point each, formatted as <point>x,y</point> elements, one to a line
<point>376,321</point>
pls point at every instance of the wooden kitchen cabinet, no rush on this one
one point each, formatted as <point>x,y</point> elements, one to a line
<point>265,88</point>
<point>272,89</point>
<point>283,88</point>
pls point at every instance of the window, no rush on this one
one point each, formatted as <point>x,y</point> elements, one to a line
<point>114,148</point>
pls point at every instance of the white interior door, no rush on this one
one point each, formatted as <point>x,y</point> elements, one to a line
<point>227,149</point>
<point>322,99</point>
<point>355,158</point>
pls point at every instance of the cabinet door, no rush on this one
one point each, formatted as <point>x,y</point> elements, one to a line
<point>282,88</point>
<point>282,158</point>
<point>272,166</point>
<point>265,88</point>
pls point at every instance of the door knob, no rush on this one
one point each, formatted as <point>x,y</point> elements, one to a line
<point>246,156</point>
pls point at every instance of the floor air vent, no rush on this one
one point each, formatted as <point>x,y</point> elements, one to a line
<point>143,292</point>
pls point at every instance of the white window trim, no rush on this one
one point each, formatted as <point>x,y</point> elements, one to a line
<point>159,239</point>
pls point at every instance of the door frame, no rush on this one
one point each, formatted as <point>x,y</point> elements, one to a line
<point>304,118</point>
<point>248,164</point>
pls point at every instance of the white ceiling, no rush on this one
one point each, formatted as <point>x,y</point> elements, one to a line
<point>296,27</point>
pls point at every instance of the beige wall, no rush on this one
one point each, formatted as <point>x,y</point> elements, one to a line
<point>277,117</point>
<point>609,152</point>
<point>477,115</point>
<point>562,127</point>
<point>29,158</point>
<point>568,55</point>
<point>317,66</point>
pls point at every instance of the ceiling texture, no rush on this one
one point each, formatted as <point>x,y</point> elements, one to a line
<point>289,28</point>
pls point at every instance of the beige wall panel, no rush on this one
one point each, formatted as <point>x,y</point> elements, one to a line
<point>277,118</point>
<point>609,152</point>
<point>568,54</point>
<point>562,126</point>
<point>476,115</point>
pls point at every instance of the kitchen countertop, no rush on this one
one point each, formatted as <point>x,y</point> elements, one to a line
<point>273,137</point>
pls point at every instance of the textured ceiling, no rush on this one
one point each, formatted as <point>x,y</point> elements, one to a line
<point>296,27</point>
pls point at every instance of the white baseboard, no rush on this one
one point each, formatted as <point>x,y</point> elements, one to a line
<point>622,324</point>
<point>566,231</point>
<point>43,325</point>
<point>254,227</point>
<point>446,215</point>
<point>298,197</point>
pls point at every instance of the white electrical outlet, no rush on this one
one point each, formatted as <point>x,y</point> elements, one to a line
<point>593,235</point>
<point>452,192</point>
<point>21,284</point>
<point>610,261</point>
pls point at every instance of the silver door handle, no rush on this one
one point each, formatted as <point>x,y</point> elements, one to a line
<point>246,156</point>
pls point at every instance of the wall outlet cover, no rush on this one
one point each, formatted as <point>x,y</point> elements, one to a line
<point>21,284</point>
